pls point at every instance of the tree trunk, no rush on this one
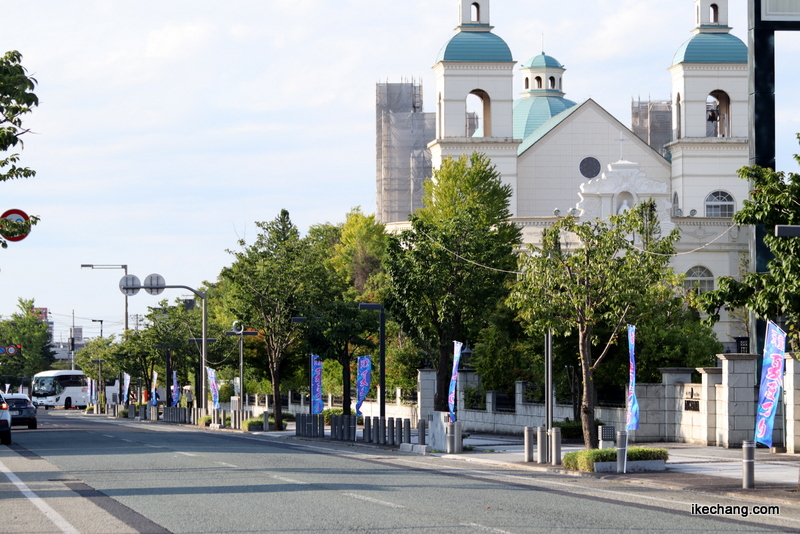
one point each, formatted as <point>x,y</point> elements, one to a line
<point>276,398</point>
<point>344,359</point>
<point>443,374</point>
<point>587,402</point>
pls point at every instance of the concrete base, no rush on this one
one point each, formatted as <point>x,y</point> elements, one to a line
<point>632,467</point>
<point>607,444</point>
<point>416,449</point>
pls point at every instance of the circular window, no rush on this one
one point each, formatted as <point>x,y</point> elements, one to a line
<point>590,167</point>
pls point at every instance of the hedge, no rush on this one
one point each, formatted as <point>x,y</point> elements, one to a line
<point>585,460</point>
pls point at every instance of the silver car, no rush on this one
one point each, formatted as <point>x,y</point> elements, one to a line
<point>5,422</point>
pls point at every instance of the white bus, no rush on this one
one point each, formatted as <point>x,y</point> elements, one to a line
<point>60,388</point>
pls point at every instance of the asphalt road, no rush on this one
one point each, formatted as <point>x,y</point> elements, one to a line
<point>90,474</point>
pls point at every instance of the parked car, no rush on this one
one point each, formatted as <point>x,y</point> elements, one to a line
<point>5,422</point>
<point>23,412</point>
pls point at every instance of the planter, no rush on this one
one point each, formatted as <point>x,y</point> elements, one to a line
<point>632,467</point>
<point>255,428</point>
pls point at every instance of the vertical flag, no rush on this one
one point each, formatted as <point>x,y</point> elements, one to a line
<point>176,393</point>
<point>126,384</point>
<point>7,386</point>
<point>364,381</point>
<point>154,400</point>
<point>316,385</point>
<point>212,384</point>
<point>633,404</point>
<point>771,382</point>
<point>451,394</point>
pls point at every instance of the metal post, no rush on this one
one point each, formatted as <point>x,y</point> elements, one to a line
<point>398,435</point>
<point>382,431</point>
<point>555,446</point>
<point>406,430</point>
<point>367,430</point>
<point>541,445</point>
<point>748,464</point>
<point>548,380</point>
<point>390,432</point>
<point>450,442</point>
<point>528,439</point>
<point>421,431</point>
<point>622,451</point>
<point>376,430</point>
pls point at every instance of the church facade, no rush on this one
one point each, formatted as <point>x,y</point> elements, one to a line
<point>564,157</point>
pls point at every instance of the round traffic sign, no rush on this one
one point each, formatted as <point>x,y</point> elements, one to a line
<point>15,216</point>
<point>129,284</point>
<point>154,284</point>
<point>11,350</point>
<point>2,350</point>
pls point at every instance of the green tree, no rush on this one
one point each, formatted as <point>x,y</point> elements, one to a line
<point>25,328</point>
<point>358,255</point>
<point>774,292</point>
<point>16,100</point>
<point>270,281</point>
<point>448,271</point>
<point>600,282</point>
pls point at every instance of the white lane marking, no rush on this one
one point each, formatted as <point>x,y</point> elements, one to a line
<point>373,501</point>
<point>484,528</point>
<point>228,465</point>
<point>186,453</point>
<point>106,435</point>
<point>129,441</point>
<point>51,514</point>
<point>290,480</point>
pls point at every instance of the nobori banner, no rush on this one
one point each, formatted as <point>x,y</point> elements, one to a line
<point>771,382</point>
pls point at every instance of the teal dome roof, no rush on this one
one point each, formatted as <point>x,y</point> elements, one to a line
<point>532,112</point>
<point>542,60</point>
<point>711,48</point>
<point>475,46</point>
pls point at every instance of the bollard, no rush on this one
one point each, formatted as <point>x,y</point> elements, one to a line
<point>367,429</point>
<point>421,431</point>
<point>382,431</point>
<point>450,443</point>
<point>541,445</point>
<point>390,432</point>
<point>334,426</point>
<point>375,430</point>
<point>528,439</point>
<point>622,451</point>
<point>398,435</point>
<point>406,430</point>
<point>298,425</point>
<point>353,427</point>
<point>555,446</point>
<point>321,426</point>
<point>265,415</point>
<point>748,464</point>
<point>309,426</point>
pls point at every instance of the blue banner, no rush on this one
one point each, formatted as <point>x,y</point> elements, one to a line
<point>154,394</point>
<point>364,381</point>
<point>771,383</point>
<point>451,394</point>
<point>176,392</point>
<point>212,384</point>
<point>126,384</point>
<point>633,404</point>
<point>316,385</point>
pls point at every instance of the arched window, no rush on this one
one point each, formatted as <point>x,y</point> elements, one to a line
<point>538,82</point>
<point>527,83</point>
<point>676,208</point>
<point>720,204</point>
<point>718,113</point>
<point>475,12</point>
<point>552,82</point>
<point>479,105</point>
<point>714,14</point>
<point>699,279</point>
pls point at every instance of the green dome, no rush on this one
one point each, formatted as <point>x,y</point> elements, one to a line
<point>483,47</point>
<point>711,48</point>
<point>532,112</point>
<point>542,60</point>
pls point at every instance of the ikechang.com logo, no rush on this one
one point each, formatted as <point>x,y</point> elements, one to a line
<point>741,510</point>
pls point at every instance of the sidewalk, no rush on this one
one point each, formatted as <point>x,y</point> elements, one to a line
<point>690,467</point>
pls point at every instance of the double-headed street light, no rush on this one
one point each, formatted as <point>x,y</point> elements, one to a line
<point>125,269</point>
<point>377,306</point>
<point>101,325</point>
<point>238,330</point>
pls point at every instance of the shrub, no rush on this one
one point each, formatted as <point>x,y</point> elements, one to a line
<point>474,398</point>
<point>332,411</point>
<point>225,392</point>
<point>572,429</point>
<point>204,421</point>
<point>122,413</point>
<point>253,421</point>
<point>585,460</point>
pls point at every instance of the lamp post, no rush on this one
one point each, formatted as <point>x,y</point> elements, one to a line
<point>101,326</point>
<point>237,329</point>
<point>382,332</point>
<point>154,284</point>
<point>125,269</point>
<point>100,398</point>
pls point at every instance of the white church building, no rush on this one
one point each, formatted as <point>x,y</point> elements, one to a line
<point>562,156</point>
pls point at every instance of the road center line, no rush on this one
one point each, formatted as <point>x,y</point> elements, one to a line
<point>290,480</point>
<point>373,501</point>
<point>37,501</point>
<point>484,528</point>
<point>186,453</point>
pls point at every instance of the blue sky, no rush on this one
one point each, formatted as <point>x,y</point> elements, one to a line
<point>166,129</point>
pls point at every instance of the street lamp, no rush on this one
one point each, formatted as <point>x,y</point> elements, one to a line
<point>100,398</point>
<point>382,331</point>
<point>124,268</point>
<point>237,329</point>
<point>101,325</point>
